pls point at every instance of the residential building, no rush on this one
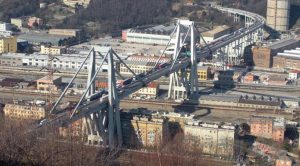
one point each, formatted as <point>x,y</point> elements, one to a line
<point>52,50</point>
<point>34,22</point>
<point>73,3</point>
<point>288,59</point>
<point>159,34</point>
<point>144,131</point>
<point>150,91</point>
<point>47,84</point>
<point>294,74</point>
<point>24,112</point>
<point>263,55</point>
<point>284,161</point>
<point>215,33</point>
<point>268,127</point>
<point>214,139</point>
<point>19,22</point>
<point>204,72</point>
<point>136,66</point>
<point>8,44</point>
<point>65,32</point>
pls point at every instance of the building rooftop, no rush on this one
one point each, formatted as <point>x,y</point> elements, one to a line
<point>224,98</point>
<point>42,37</point>
<point>154,29</point>
<point>281,43</point>
<point>216,30</point>
<point>47,78</point>
<point>260,100</point>
<point>216,125</point>
<point>147,58</point>
<point>141,63</point>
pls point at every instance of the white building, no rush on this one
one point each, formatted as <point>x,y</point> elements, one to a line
<point>5,26</point>
<point>149,35</point>
<point>5,29</point>
<point>63,61</point>
<point>294,74</point>
<point>213,139</point>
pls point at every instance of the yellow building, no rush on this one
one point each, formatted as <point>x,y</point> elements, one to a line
<point>65,32</point>
<point>148,131</point>
<point>203,72</point>
<point>136,66</point>
<point>19,22</point>
<point>150,91</point>
<point>52,50</point>
<point>8,44</point>
<point>26,112</point>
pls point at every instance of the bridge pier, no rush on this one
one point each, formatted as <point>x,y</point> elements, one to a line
<point>182,84</point>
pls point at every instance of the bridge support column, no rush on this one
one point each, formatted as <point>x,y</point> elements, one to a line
<point>182,84</point>
<point>236,18</point>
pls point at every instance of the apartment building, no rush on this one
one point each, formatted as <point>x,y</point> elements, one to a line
<point>52,50</point>
<point>150,91</point>
<point>214,139</point>
<point>268,127</point>
<point>144,131</point>
<point>8,44</point>
<point>136,66</point>
<point>24,112</point>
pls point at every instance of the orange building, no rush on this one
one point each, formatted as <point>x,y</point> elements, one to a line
<point>284,161</point>
<point>268,127</point>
